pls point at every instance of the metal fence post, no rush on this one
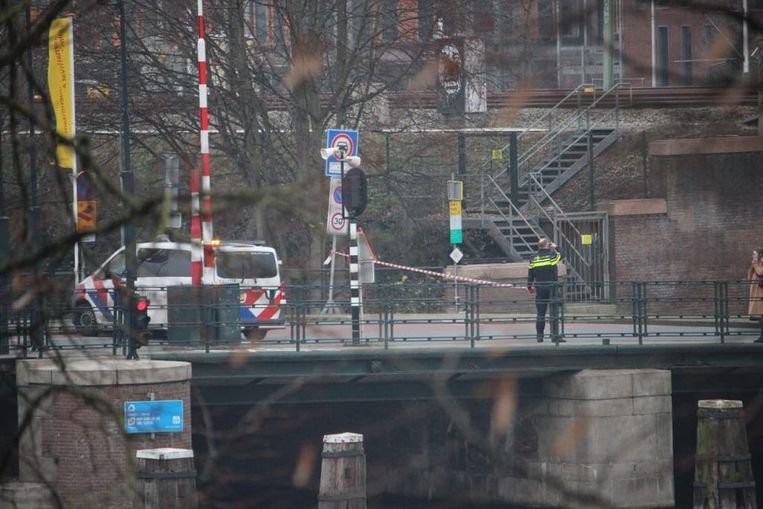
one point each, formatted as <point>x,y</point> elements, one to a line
<point>5,336</point>
<point>644,309</point>
<point>295,317</point>
<point>562,292</point>
<point>388,318</point>
<point>639,309</point>
<point>555,304</point>
<point>467,314</point>
<point>116,322</point>
<point>717,309</point>
<point>726,313</point>
<point>723,309</point>
<point>470,313</point>
<point>477,292</point>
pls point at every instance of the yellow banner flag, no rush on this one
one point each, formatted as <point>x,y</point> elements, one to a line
<point>61,85</point>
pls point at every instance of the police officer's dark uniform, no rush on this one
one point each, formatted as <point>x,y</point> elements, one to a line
<point>542,276</point>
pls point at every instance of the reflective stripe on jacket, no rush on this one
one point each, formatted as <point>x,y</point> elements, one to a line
<point>543,267</point>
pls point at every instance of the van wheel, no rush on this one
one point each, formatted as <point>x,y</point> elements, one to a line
<point>255,334</point>
<point>84,320</point>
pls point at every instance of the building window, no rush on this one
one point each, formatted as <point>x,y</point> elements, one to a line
<point>259,23</point>
<point>546,20</point>
<point>595,21</point>
<point>390,20</point>
<point>686,56</point>
<point>571,17</point>
<point>483,17</point>
<point>663,60</point>
<point>426,19</point>
<point>708,34</point>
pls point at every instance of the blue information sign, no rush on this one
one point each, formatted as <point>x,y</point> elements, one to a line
<point>348,138</point>
<point>153,416</point>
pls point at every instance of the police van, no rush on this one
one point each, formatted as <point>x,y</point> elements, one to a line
<point>253,266</point>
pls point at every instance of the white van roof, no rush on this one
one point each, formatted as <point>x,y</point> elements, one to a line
<point>187,245</point>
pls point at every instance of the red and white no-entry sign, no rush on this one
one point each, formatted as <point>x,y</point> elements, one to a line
<point>344,141</point>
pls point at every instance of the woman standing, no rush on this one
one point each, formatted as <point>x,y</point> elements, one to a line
<point>755,275</point>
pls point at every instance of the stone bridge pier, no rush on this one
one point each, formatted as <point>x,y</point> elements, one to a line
<point>594,438</point>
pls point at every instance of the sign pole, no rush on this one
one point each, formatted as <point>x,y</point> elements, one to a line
<point>455,195</point>
<point>335,225</point>
<point>330,305</point>
<point>455,282</point>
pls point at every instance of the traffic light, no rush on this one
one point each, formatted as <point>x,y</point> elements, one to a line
<point>355,192</point>
<point>140,321</point>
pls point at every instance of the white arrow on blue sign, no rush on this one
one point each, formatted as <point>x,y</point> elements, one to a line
<point>335,137</point>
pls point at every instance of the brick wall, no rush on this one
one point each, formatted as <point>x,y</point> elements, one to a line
<point>708,233</point>
<point>93,455</point>
<point>76,440</point>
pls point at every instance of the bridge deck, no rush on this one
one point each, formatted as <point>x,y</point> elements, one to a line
<point>438,349</point>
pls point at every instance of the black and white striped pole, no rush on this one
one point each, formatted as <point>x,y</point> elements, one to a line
<point>356,298</point>
<point>354,199</point>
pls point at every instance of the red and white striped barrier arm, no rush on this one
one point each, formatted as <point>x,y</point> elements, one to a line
<point>206,199</point>
<point>196,250</point>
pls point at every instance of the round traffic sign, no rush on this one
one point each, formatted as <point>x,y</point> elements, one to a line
<point>337,221</point>
<point>337,194</point>
<point>344,140</point>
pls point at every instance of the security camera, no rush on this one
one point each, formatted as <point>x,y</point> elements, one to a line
<point>353,161</point>
<point>337,152</point>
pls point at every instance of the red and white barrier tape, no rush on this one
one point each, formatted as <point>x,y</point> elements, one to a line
<point>444,275</point>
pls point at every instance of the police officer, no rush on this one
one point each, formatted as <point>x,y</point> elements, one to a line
<point>542,276</point>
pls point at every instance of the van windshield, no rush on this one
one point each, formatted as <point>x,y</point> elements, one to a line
<point>246,265</point>
<point>115,267</point>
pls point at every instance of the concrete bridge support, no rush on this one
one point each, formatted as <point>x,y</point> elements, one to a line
<point>606,435</point>
<point>594,438</point>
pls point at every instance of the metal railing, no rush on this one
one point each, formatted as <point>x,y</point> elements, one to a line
<point>569,132</point>
<point>551,118</point>
<point>514,212</point>
<point>434,313</point>
<point>544,154</point>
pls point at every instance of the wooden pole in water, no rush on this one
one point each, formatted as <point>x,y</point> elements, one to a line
<point>722,474</point>
<point>343,472</point>
<point>166,479</point>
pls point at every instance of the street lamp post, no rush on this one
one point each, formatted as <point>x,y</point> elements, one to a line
<point>128,229</point>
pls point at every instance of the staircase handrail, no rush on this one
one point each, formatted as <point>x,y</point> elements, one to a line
<point>558,210</point>
<point>564,127</point>
<point>543,118</point>
<point>582,135</point>
<point>513,209</point>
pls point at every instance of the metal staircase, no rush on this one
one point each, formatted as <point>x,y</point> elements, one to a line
<point>572,136</point>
